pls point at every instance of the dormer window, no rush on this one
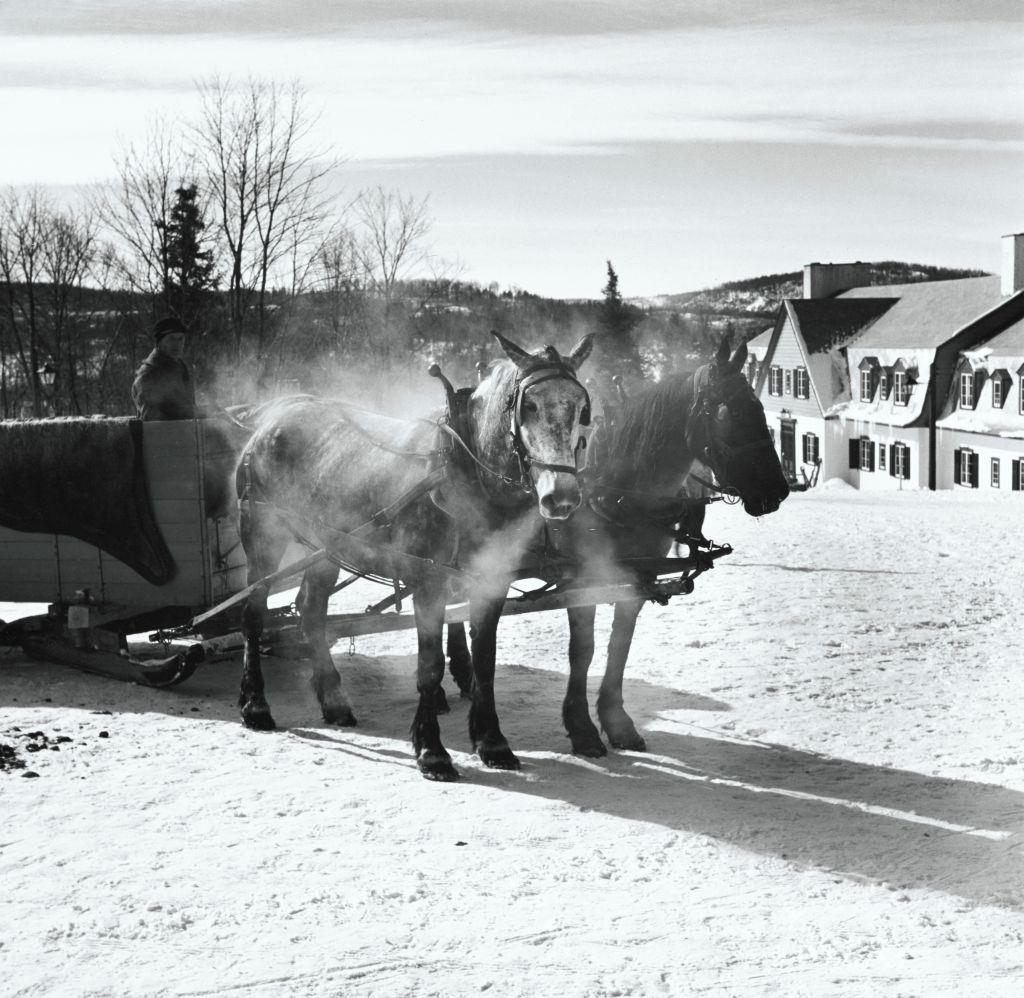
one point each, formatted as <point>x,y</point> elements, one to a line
<point>1001,382</point>
<point>868,368</point>
<point>966,389</point>
<point>901,387</point>
<point>903,374</point>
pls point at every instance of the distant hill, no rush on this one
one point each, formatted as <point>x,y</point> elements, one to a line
<point>760,297</point>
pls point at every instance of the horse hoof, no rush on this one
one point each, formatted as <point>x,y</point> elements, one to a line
<point>342,716</point>
<point>498,758</point>
<point>258,719</point>
<point>629,742</point>
<point>589,748</point>
<point>437,766</point>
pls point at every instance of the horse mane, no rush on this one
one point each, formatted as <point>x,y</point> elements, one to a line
<point>645,439</point>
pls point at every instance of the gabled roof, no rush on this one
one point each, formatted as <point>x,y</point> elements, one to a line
<point>1008,343</point>
<point>927,314</point>
<point>826,323</point>
<point>758,346</point>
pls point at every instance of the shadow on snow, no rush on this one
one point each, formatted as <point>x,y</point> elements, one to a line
<point>864,822</point>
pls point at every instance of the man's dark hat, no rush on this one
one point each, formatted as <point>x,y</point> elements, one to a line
<point>168,324</point>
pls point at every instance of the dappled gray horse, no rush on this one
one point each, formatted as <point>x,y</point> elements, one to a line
<point>323,471</point>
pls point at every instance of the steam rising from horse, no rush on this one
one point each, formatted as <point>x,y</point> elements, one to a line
<point>636,467</point>
<point>318,470</point>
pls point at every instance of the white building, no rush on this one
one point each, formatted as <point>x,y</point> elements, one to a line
<point>981,431</point>
<point>858,375</point>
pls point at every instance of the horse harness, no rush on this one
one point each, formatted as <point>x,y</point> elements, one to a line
<point>709,396</point>
<point>455,425</point>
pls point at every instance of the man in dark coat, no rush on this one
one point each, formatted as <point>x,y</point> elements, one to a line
<point>163,387</point>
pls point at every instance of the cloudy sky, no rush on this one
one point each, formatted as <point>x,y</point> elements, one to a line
<point>690,143</point>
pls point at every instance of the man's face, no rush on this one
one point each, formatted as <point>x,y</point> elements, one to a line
<point>173,344</point>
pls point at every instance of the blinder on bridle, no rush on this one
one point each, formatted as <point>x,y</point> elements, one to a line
<point>710,396</point>
<point>549,366</point>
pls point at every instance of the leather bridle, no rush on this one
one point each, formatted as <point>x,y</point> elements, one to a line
<point>709,394</point>
<point>547,369</point>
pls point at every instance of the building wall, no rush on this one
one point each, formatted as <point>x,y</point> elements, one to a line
<point>801,426</point>
<point>881,435</point>
<point>788,356</point>
<point>988,447</point>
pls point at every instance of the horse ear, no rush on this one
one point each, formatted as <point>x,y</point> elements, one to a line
<point>739,358</point>
<point>722,356</point>
<point>516,354</point>
<point>581,351</point>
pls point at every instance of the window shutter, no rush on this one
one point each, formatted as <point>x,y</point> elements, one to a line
<point>854,453</point>
<point>956,466</point>
<point>892,459</point>
<point>974,471</point>
<point>805,448</point>
<point>906,462</point>
<point>1015,476</point>
<point>871,457</point>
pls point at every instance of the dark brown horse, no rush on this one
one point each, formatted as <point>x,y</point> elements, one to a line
<point>321,471</point>
<point>635,468</point>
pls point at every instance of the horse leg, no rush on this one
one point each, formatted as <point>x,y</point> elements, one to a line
<point>262,549</point>
<point>251,698</point>
<point>484,730</point>
<point>617,724</point>
<point>311,602</point>
<point>431,756</point>
<point>459,662</point>
<point>585,738</point>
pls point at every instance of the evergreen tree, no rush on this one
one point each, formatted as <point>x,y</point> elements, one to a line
<point>190,268</point>
<point>617,349</point>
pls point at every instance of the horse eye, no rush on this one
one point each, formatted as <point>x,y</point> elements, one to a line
<point>530,406</point>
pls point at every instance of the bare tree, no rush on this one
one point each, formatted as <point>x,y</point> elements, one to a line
<point>266,182</point>
<point>341,290</point>
<point>24,219</point>
<point>69,249</point>
<point>394,229</point>
<point>136,207</point>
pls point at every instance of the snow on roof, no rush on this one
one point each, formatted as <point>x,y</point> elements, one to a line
<point>927,314</point>
<point>996,422</point>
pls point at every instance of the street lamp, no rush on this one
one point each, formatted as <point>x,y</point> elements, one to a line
<point>47,375</point>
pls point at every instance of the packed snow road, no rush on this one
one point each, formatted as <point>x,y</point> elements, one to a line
<point>832,802</point>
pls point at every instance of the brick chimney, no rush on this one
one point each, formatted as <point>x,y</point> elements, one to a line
<point>821,280</point>
<point>1013,264</point>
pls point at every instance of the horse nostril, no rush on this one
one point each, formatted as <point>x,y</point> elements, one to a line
<point>557,509</point>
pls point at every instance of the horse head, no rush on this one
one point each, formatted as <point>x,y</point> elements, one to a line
<point>727,430</point>
<point>542,405</point>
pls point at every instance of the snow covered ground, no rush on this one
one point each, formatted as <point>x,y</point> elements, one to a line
<point>832,802</point>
